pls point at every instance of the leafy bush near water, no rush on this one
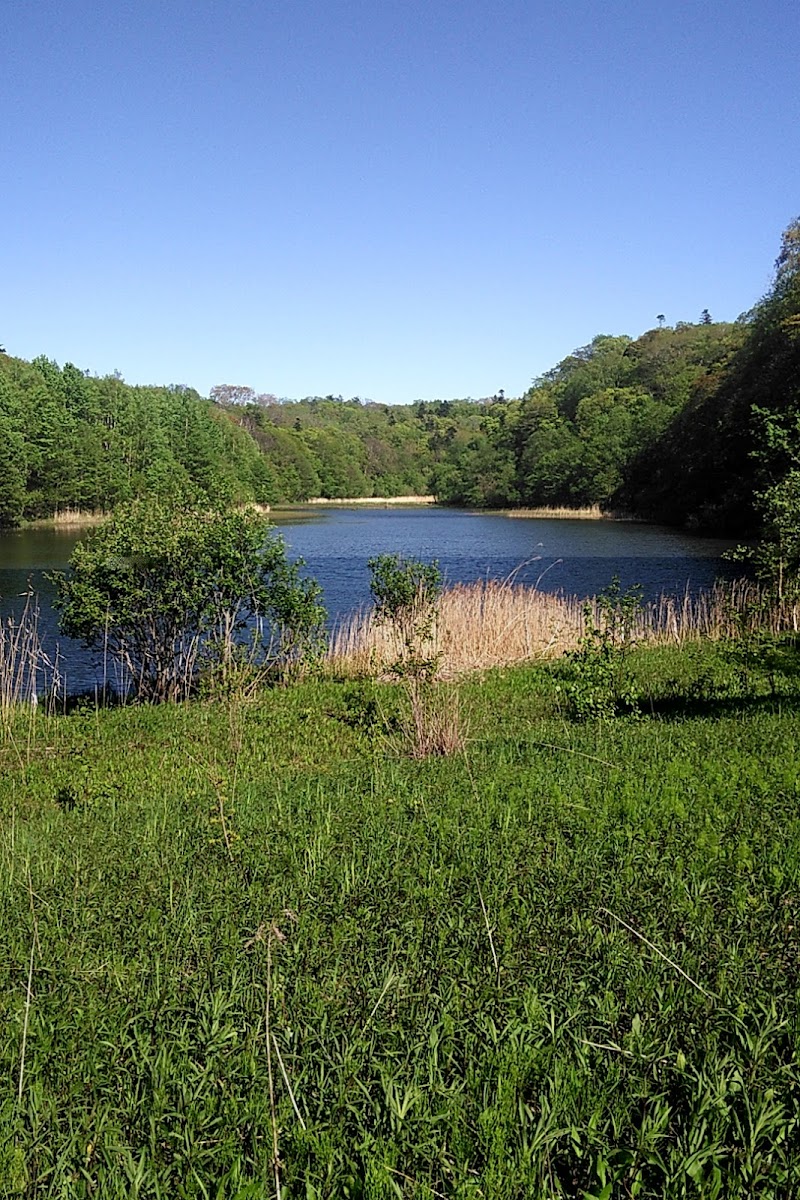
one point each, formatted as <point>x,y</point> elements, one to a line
<point>451,952</point>
<point>167,593</point>
<point>597,683</point>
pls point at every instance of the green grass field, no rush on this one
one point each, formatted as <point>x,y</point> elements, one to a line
<point>252,947</point>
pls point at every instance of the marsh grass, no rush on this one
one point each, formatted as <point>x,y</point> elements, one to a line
<point>478,626</point>
<point>587,512</point>
<point>26,671</point>
<point>561,963</point>
<point>495,624</point>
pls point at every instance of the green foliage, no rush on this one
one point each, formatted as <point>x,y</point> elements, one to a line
<point>72,440</point>
<point>586,430</point>
<point>328,447</point>
<point>12,473</point>
<point>756,653</point>
<point>451,953</point>
<point>775,558</point>
<point>406,595</point>
<point>166,594</point>
<point>597,682</point>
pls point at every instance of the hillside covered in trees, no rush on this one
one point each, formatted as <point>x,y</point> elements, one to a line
<point>687,424</point>
<point>70,440</point>
<point>690,424</point>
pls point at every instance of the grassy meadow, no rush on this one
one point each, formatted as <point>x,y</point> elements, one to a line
<point>255,949</point>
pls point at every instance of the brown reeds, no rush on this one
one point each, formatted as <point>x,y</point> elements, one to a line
<point>372,500</point>
<point>588,512</point>
<point>24,666</point>
<point>494,624</point>
<point>71,518</point>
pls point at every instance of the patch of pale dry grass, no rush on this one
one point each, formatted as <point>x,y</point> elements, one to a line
<point>367,500</point>
<point>493,624</point>
<point>479,625</point>
<point>433,725</point>
<point>72,518</point>
<point>589,512</point>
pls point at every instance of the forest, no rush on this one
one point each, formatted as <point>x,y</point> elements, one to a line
<point>693,424</point>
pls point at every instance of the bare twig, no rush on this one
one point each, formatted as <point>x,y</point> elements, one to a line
<point>28,998</point>
<point>391,978</point>
<point>298,1114</point>
<point>606,1046</point>
<point>489,931</point>
<point>660,953</point>
<point>33,914</point>
<point>569,750</point>
<point>276,1162</point>
<point>410,1179</point>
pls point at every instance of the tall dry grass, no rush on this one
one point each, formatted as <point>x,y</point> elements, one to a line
<point>25,668</point>
<point>494,624</point>
<point>588,512</point>
<point>71,518</point>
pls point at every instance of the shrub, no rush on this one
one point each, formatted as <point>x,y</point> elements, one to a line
<point>598,685</point>
<point>168,594</point>
<point>406,594</point>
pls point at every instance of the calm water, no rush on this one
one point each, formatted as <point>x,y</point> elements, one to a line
<point>576,557</point>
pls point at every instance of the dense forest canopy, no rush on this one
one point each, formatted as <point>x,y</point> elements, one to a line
<point>690,424</point>
<point>575,438</point>
<point>71,440</point>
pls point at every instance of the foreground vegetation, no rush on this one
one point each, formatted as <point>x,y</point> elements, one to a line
<point>255,947</point>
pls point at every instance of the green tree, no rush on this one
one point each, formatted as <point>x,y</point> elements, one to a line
<point>406,593</point>
<point>12,473</point>
<point>169,592</point>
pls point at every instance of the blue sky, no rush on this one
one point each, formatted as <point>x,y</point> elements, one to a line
<point>391,200</point>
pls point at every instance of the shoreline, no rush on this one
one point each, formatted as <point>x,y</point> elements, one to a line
<point>69,518</point>
<point>559,512</point>
<point>323,501</point>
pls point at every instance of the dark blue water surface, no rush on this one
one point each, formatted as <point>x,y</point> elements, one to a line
<point>576,557</point>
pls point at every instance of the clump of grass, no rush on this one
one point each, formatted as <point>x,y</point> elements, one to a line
<point>25,668</point>
<point>433,724</point>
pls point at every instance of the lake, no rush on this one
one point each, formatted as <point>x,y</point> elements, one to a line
<point>574,556</point>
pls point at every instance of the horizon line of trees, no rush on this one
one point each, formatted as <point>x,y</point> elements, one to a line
<point>689,424</point>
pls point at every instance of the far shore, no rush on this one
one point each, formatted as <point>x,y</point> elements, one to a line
<point>375,500</point>
<point>74,518</point>
<point>68,518</point>
<point>591,512</point>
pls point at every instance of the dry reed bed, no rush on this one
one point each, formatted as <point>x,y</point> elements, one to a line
<point>70,518</point>
<point>589,512</point>
<point>24,665</point>
<point>493,624</point>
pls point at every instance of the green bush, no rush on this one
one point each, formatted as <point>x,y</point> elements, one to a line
<point>406,594</point>
<point>598,685</point>
<point>167,595</point>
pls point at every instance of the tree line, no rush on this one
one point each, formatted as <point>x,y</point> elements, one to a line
<point>690,424</point>
<point>71,440</point>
